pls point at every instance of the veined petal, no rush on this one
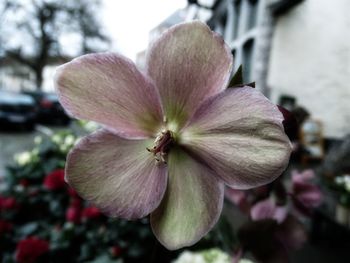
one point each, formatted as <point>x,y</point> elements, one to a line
<point>188,63</point>
<point>239,134</point>
<point>109,89</point>
<point>117,175</point>
<point>192,203</point>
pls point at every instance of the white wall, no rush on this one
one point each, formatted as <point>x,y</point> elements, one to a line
<point>310,59</point>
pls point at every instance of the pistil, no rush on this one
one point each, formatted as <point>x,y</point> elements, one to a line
<point>162,145</point>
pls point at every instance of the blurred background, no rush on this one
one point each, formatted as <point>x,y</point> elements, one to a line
<point>296,51</point>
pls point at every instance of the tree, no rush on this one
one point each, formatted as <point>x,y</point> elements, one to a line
<point>38,27</point>
<point>87,24</point>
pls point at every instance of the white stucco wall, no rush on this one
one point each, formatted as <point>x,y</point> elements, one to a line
<point>310,59</point>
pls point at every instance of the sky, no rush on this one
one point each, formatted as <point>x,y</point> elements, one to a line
<point>128,22</point>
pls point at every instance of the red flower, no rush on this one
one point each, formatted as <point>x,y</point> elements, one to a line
<point>72,192</point>
<point>24,182</point>
<point>5,226</point>
<point>28,250</point>
<point>7,203</point>
<point>55,180</point>
<point>91,212</point>
<point>73,214</point>
<point>116,251</point>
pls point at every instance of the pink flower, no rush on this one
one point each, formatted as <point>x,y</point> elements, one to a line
<point>267,209</point>
<point>30,249</point>
<point>270,241</point>
<point>173,135</point>
<point>55,180</point>
<point>238,197</point>
<point>305,194</point>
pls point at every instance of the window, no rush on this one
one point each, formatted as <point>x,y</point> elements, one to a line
<point>236,12</point>
<point>247,60</point>
<point>253,13</point>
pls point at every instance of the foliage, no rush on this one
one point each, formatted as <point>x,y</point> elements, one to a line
<point>39,211</point>
<point>35,206</point>
<point>275,228</point>
<point>341,185</point>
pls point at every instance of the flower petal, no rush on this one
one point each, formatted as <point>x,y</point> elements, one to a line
<point>188,63</point>
<point>192,203</point>
<point>117,175</point>
<point>109,89</point>
<point>263,210</point>
<point>239,134</point>
<point>303,177</point>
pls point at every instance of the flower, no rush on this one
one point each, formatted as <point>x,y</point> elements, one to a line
<point>5,226</point>
<point>24,182</point>
<point>91,212</point>
<point>55,180</point>
<point>267,209</point>
<point>116,251</point>
<point>23,158</point>
<point>343,181</point>
<point>205,256</point>
<point>305,194</point>
<point>30,249</point>
<point>270,241</point>
<point>238,197</point>
<point>73,214</point>
<point>173,135</point>
<point>72,193</point>
<point>74,211</point>
<point>8,203</point>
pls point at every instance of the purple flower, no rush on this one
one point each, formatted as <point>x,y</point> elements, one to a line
<point>267,209</point>
<point>173,135</point>
<point>306,195</point>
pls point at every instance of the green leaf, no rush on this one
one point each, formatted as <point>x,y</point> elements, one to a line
<point>226,234</point>
<point>237,78</point>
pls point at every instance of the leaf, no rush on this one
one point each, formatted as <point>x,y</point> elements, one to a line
<point>226,234</point>
<point>237,78</point>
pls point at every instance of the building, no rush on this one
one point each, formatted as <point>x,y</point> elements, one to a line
<point>293,48</point>
<point>177,17</point>
<point>310,60</point>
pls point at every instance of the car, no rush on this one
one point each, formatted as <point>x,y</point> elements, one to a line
<point>17,109</point>
<point>50,110</point>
